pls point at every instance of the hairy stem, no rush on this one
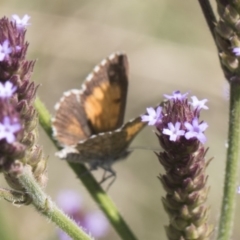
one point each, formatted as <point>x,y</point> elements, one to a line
<point>45,206</point>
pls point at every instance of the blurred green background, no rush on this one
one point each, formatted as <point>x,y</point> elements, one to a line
<point>169,48</point>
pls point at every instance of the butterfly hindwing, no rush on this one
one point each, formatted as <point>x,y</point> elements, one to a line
<point>105,147</point>
<point>70,123</point>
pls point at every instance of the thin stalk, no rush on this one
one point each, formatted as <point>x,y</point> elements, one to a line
<point>93,187</point>
<point>231,173</point>
<point>45,206</point>
<point>209,15</point>
<point>211,22</point>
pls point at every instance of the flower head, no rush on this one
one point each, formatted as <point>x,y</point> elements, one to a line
<point>21,23</point>
<point>153,117</point>
<point>173,131</point>
<point>18,116</point>
<point>185,164</point>
<point>5,50</point>
<point>7,89</point>
<point>176,95</point>
<point>196,130</point>
<point>198,104</point>
<point>8,129</point>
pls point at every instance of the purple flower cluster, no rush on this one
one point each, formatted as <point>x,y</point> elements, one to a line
<point>9,125</point>
<point>92,222</point>
<point>17,92</point>
<point>18,116</point>
<point>178,118</point>
<point>181,136</point>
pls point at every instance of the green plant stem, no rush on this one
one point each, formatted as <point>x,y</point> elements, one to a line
<point>211,22</point>
<point>209,15</point>
<point>231,173</point>
<point>45,206</point>
<point>95,190</point>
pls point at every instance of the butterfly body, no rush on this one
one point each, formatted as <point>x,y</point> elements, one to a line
<point>89,122</point>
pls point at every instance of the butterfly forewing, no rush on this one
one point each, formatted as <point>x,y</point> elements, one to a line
<point>98,107</point>
<point>105,94</point>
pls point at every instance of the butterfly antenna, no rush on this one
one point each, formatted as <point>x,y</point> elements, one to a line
<point>144,148</point>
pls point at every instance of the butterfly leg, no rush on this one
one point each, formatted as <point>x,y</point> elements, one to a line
<point>112,175</point>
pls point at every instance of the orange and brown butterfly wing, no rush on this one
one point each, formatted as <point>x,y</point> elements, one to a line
<point>104,148</point>
<point>70,123</point>
<point>98,107</point>
<point>105,94</point>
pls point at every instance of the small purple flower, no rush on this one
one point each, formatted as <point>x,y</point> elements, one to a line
<point>198,104</point>
<point>69,201</point>
<point>238,189</point>
<point>196,130</point>
<point>236,51</point>
<point>5,49</point>
<point>21,23</point>
<point>7,89</point>
<point>18,48</point>
<point>94,223</point>
<point>176,95</point>
<point>7,129</point>
<point>173,131</point>
<point>153,117</point>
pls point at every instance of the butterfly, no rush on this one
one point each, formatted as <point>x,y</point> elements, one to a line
<point>89,122</point>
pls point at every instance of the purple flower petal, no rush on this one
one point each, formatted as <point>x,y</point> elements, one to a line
<point>5,50</point>
<point>236,51</point>
<point>153,117</point>
<point>69,201</point>
<point>7,89</point>
<point>7,129</point>
<point>96,224</point>
<point>198,104</point>
<point>21,23</point>
<point>196,130</point>
<point>176,95</point>
<point>173,131</point>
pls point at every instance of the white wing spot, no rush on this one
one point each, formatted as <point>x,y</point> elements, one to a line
<point>103,62</point>
<point>76,91</point>
<point>57,106</point>
<point>83,88</point>
<point>112,56</point>
<point>96,69</point>
<point>67,94</point>
<point>89,77</point>
<point>64,152</point>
